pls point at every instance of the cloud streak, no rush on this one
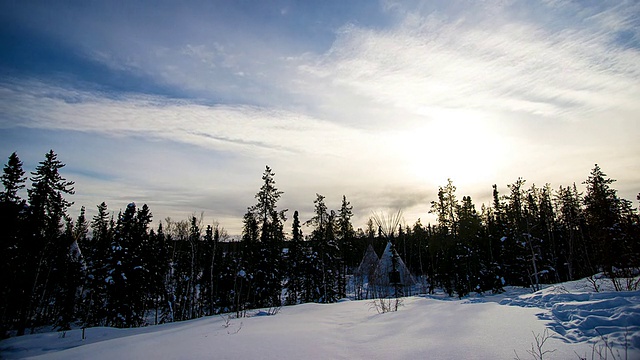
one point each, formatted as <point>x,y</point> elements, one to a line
<point>429,62</point>
<point>223,127</point>
<point>386,111</point>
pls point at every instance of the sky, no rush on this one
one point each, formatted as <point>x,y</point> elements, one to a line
<point>181,105</point>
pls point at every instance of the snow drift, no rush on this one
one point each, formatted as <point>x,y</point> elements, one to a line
<point>434,327</point>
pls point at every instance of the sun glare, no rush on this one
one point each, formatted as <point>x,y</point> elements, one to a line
<point>464,148</point>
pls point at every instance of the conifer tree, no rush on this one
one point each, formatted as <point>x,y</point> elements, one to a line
<point>179,283</point>
<point>295,263</point>
<point>127,268</point>
<point>443,243</point>
<point>12,246</point>
<point>159,251</point>
<point>345,235</point>
<point>268,275</point>
<point>489,252</point>
<point>13,180</point>
<point>602,215</point>
<point>551,246</point>
<point>467,254</point>
<point>327,250</point>
<point>496,232</point>
<point>516,256</point>
<point>210,269</point>
<point>47,247</point>
<point>573,251</point>
<point>420,249</point>
<point>67,295</point>
<point>97,252</point>
<point>244,264</point>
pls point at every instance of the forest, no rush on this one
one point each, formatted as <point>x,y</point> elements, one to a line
<point>118,270</point>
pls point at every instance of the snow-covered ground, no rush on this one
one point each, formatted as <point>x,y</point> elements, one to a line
<point>581,325</point>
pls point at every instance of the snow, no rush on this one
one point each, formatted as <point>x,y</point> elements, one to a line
<point>584,316</point>
<point>435,327</point>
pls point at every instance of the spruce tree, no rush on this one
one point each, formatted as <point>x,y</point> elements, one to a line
<point>468,261</point>
<point>12,246</point>
<point>127,268</point>
<point>97,252</point>
<point>67,296</point>
<point>159,250</point>
<point>268,274</point>
<point>570,222</point>
<point>13,180</point>
<point>47,247</point>
<point>327,250</point>
<point>244,264</point>
<point>444,242</point>
<point>516,256</point>
<point>345,236</point>
<point>602,215</point>
<point>295,263</point>
<point>496,229</point>
<point>210,272</point>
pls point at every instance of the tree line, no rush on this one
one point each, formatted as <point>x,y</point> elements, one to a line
<point>118,270</point>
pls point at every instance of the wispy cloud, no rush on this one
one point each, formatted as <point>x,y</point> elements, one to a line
<point>430,61</point>
<point>482,92</point>
<point>222,127</point>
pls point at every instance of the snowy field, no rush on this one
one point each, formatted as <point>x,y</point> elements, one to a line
<point>581,324</point>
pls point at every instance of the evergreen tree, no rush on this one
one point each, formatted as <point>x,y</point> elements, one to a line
<point>445,209</point>
<point>243,267</point>
<point>13,180</point>
<point>370,231</point>
<point>190,303</point>
<point>47,248</point>
<point>516,255</point>
<point>443,243</point>
<point>327,251</point>
<point>12,216</point>
<point>128,268</point>
<point>602,215</point>
<point>419,248</point>
<point>180,279</point>
<point>468,268</point>
<point>210,259</point>
<point>496,232</point>
<point>97,252</point>
<point>159,262</point>
<point>551,247</point>
<point>570,221</point>
<point>489,252</point>
<point>295,263</point>
<point>345,235</point>
<point>268,275</point>
<point>67,295</point>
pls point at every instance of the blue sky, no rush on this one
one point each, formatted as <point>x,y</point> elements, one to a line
<point>180,105</point>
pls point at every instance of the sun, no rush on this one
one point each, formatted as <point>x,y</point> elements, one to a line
<point>465,148</point>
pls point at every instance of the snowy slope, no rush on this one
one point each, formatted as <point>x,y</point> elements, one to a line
<point>587,316</point>
<point>481,327</point>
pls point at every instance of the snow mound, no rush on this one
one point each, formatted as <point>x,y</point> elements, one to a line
<point>613,317</point>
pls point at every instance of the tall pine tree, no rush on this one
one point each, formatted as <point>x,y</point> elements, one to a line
<point>47,248</point>
<point>12,223</point>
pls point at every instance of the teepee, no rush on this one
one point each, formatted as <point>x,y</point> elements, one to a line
<point>365,274</point>
<point>368,265</point>
<point>387,275</point>
<point>391,270</point>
